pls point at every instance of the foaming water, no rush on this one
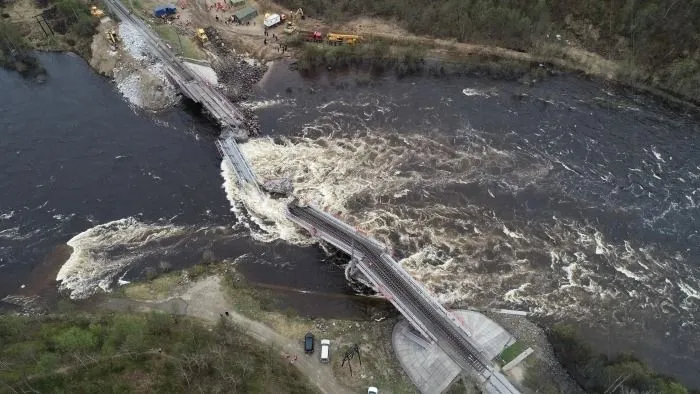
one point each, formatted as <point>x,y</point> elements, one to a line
<point>261,214</point>
<point>545,201</point>
<point>105,254</point>
<point>398,188</point>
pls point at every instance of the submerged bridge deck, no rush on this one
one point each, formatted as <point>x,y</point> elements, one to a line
<point>425,313</point>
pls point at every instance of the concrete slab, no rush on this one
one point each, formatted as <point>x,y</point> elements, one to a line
<point>490,335</point>
<point>429,368</point>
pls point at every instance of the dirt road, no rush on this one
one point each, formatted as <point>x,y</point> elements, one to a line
<point>205,299</point>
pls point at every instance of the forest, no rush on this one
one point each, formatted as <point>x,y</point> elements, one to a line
<point>128,352</point>
<point>657,40</point>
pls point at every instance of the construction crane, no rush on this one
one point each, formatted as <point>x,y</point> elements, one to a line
<point>291,25</point>
<point>340,39</point>
<point>296,14</point>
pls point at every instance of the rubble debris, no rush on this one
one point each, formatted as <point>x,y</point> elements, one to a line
<point>218,44</point>
<point>282,186</point>
<point>238,76</point>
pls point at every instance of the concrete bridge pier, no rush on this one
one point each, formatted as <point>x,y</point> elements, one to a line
<point>354,275</point>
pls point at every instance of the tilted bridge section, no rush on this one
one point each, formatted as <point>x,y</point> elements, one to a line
<point>421,309</point>
<point>368,257</point>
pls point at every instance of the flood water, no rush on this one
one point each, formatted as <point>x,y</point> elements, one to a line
<point>571,199</point>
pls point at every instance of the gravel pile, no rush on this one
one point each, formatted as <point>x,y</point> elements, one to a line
<point>533,336</point>
<point>237,76</point>
<point>217,43</point>
<point>251,122</point>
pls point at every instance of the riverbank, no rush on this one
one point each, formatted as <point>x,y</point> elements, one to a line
<point>62,25</point>
<point>208,292</point>
<point>385,46</point>
<point>616,41</point>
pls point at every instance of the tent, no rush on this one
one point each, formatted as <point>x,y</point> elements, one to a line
<point>245,14</point>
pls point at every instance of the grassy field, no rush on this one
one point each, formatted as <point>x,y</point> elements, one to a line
<point>511,352</point>
<point>137,353</point>
<point>182,44</point>
<point>379,366</point>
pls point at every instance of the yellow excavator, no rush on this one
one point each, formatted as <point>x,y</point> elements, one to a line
<point>340,39</point>
<point>96,12</point>
<point>112,37</point>
<point>202,36</point>
<point>291,25</point>
<point>297,14</point>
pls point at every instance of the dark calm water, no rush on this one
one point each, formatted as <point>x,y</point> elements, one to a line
<point>571,199</point>
<point>135,191</point>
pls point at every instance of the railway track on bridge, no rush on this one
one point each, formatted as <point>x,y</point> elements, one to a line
<point>419,307</point>
<point>449,336</point>
<point>189,82</point>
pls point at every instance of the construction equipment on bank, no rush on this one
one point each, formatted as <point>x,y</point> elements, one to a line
<point>290,28</point>
<point>291,25</point>
<point>112,37</point>
<point>340,39</point>
<point>314,36</point>
<point>297,14</point>
<point>202,36</point>
<point>96,12</point>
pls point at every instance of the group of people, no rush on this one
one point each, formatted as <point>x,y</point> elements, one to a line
<point>280,47</point>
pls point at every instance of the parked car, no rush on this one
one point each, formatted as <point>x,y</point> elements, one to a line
<point>309,343</point>
<point>325,350</point>
<point>372,390</point>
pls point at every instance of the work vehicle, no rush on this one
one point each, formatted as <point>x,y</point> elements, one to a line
<point>309,343</point>
<point>290,28</point>
<point>340,39</point>
<point>271,20</point>
<point>96,12</point>
<point>314,36</point>
<point>164,11</point>
<point>297,14</point>
<point>325,350</point>
<point>202,36</point>
<point>372,390</point>
<point>112,37</point>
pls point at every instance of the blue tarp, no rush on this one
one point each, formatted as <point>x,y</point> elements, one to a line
<point>164,10</point>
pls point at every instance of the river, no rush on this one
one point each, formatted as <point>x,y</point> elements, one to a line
<point>572,199</point>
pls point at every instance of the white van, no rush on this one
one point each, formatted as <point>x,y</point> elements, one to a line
<point>325,350</point>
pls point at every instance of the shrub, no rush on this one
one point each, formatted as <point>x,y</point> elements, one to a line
<point>75,339</point>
